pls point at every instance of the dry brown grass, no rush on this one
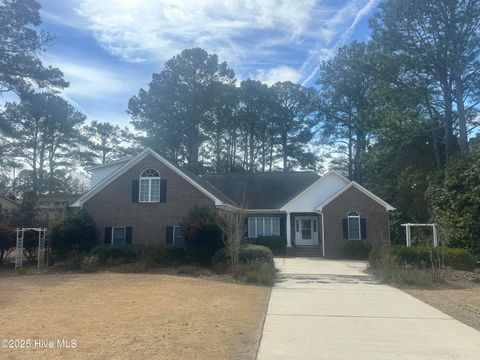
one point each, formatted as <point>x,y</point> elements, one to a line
<point>462,304</point>
<point>132,316</point>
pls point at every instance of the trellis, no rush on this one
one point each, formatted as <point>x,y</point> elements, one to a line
<point>409,237</point>
<point>42,232</point>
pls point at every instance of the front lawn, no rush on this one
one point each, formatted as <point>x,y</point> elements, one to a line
<point>134,316</point>
<point>459,297</point>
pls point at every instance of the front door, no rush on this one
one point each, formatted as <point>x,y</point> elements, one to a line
<point>306,230</point>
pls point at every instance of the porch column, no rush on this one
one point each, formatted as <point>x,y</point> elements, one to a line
<point>289,231</point>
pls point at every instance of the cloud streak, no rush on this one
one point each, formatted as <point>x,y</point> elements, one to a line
<point>359,9</point>
<point>254,37</point>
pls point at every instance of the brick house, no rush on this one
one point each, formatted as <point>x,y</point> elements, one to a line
<point>143,199</point>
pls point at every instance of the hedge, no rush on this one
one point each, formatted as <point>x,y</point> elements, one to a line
<point>164,254</point>
<point>356,250</point>
<point>248,253</point>
<point>419,256</point>
<point>116,254</point>
<point>256,264</point>
<point>277,244</point>
<point>156,254</point>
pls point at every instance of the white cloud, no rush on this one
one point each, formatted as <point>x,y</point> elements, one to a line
<point>92,80</point>
<point>269,40</point>
<point>96,90</point>
<point>280,73</point>
<point>158,29</point>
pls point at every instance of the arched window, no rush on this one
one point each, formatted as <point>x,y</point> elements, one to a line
<point>150,186</point>
<point>354,226</point>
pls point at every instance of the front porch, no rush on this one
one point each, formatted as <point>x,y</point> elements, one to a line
<point>304,232</point>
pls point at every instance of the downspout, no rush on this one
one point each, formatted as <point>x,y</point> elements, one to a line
<point>323,232</point>
<point>323,235</point>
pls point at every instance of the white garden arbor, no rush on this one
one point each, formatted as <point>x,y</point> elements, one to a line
<point>42,232</point>
<point>409,237</point>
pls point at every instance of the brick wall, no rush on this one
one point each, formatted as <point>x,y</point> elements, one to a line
<point>354,200</point>
<point>113,205</point>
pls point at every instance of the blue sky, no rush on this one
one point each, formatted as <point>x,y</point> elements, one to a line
<point>109,49</point>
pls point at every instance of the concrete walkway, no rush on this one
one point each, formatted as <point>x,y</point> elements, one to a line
<point>323,309</point>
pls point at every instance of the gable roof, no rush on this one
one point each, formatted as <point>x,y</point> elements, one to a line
<point>111,163</point>
<point>319,182</point>
<point>4,197</point>
<point>256,191</point>
<point>374,197</point>
<point>197,182</point>
<point>252,191</point>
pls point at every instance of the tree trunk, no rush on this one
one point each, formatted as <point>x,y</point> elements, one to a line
<point>359,150</point>
<point>284,150</point>
<point>436,151</point>
<point>193,151</point>
<point>448,125</point>
<point>350,153</point>
<point>462,121</point>
<point>251,151</point>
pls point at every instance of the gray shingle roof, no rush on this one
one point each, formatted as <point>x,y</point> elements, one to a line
<point>268,190</point>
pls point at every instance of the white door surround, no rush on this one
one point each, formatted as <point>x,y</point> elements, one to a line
<point>306,230</point>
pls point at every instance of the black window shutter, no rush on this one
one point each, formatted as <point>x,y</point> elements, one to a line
<point>135,191</point>
<point>128,235</point>
<point>108,235</point>
<point>345,229</point>
<point>163,190</point>
<point>363,229</point>
<point>169,234</point>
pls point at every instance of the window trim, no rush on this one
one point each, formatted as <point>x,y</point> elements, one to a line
<point>124,234</point>
<point>264,218</point>
<point>173,235</point>
<point>149,179</point>
<point>354,215</point>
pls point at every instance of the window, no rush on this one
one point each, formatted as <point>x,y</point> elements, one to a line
<point>119,235</point>
<point>353,226</point>
<point>178,235</point>
<point>150,186</point>
<point>260,226</point>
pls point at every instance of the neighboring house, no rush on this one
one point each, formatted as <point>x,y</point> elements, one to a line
<point>7,206</point>
<point>51,208</point>
<point>143,199</point>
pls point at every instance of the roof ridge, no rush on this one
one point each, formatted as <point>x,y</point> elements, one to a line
<point>261,173</point>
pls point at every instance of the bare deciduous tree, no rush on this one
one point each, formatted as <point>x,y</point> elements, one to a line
<point>232,223</point>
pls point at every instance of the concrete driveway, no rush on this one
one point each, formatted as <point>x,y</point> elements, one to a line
<point>324,309</point>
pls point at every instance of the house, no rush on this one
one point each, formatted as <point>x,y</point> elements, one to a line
<point>51,208</point>
<point>143,199</point>
<point>7,206</point>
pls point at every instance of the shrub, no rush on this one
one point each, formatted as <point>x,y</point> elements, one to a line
<point>115,254</point>
<point>387,267</point>
<point>418,256</point>
<point>76,232</point>
<point>163,255</point>
<point>90,263</point>
<point>413,265</point>
<point>7,241</point>
<point>202,235</point>
<point>277,244</point>
<point>74,259</point>
<point>357,250</point>
<point>459,259</point>
<point>248,253</point>
<point>256,272</point>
